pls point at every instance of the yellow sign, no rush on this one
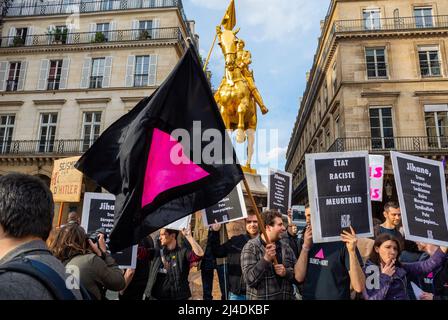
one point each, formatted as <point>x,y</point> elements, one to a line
<point>66,181</point>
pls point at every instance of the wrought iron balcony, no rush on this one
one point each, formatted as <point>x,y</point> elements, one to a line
<point>392,24</point>
<point>384,145</point>
<point>71,38</point>
<point>44,147</point>
<point>46,7</point>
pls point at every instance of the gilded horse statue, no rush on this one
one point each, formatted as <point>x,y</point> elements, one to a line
<point>237,95</point>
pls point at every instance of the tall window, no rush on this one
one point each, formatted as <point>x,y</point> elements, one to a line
<point>376,63</point>
<point>337,128</point>
<point>141,71</point>
<point>371,19</point>
<point>47,131</point>
<point>97,73</point>
<point>106,4</point>
<point>104,29</point>
<point>437,125</point>
<point>13,76</point>
<point>60,34</point>
<point>20,37</point>
<point>429,61</point>
<point>326,94</point>
<point>423,17</point>
<point>145,27</point>
<point>54,75</point>
<point>91,129</point>
<point>335,79</point>
<point>6,130</point>
<point>381,128</point>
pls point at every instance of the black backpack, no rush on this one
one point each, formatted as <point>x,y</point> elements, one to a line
<point>41,272</point>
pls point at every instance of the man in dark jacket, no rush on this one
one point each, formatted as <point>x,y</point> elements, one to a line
<point>264,279</point>
<point>168,272</point>
<point>232,250</point>
<point>26,215</point>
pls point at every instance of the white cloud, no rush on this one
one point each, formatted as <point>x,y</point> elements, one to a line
<point>278,20</point>
<point>276,153</point>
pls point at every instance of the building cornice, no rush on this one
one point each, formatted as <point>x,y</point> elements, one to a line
<point>131,99</point>
<point>376,94</point>
<point>49,102</point>
<point>431,93</point>
<point>92,100</point>
<point>11,103</point>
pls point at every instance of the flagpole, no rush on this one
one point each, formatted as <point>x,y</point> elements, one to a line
<point>210,52</point>
<point>257,213</point>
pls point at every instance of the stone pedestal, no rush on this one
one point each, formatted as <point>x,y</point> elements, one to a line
<point>259,192</point>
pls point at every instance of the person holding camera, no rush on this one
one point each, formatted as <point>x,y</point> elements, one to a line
<point>98,271</point>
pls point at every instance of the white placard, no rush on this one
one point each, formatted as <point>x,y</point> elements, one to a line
<point>376,164</point>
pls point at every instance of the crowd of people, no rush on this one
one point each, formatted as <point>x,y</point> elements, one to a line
<point>38,261</point>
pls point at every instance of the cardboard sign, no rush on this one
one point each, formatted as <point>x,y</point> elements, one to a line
<point>376,177</point>
<point>66,181</point>
<point>422,193</point>
<point>179,224</point>
<point>339,193</point>
<point>279,190</point>
<point>229,209</point>
<point>98,212</point>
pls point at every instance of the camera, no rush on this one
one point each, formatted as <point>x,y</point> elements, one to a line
<point>94,235</point>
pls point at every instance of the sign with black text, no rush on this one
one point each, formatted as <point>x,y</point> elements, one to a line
<point>339,193</point>
<point>422,193</point>
<point>279,190</point>
<point>229,209</point>
<point>98,212</point>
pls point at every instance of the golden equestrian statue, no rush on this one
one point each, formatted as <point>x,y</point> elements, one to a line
<point>237,95</point>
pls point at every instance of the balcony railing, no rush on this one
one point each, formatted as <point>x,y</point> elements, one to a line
<point>391,24</point>
<point>37,8</point>
<point>44,147</point>
<point>96,37</point>
<point>383,145</point>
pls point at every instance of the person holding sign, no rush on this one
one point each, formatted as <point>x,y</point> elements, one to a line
<point>98,271</point>
<point>327,269</point>
<point>168,271</point>
<point>386,276</point>
<point>264,280</point>
<point>232,250</point>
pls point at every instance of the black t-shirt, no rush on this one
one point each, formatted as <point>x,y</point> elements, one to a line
<point>161,289</point>
<point>393,232</point>
<point>327,276</point>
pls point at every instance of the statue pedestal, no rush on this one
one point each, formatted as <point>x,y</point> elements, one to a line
<point>259,192</point>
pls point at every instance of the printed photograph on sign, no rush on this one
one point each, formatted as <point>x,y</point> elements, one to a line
<point>339,193</point>
<point>98,215</point>
<point>421,189</point>
<point>231,208</point>
<point>279,190</point>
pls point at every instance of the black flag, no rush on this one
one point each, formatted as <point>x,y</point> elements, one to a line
<point>167,158</point>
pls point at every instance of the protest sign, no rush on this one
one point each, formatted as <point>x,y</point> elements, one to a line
<point>422,193</point>
<point>376,164</point>
<point>98,212</point>
<point>230,208</point>
<point>339,193</point>
<point>180,224</point>
<point>66,181</point>
<point>279,190</point>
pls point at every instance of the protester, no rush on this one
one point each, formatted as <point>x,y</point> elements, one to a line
<point>73,217</point>
<point>232,250</point>
<point>386,276</point>
<point>264,279</point>
<point>26,215</point>
<point>327,269</point>
<point>136,279</point>
<point>291,236</point>
<point>392,222</point>
<point>98,271</point>
<point>168,273</point>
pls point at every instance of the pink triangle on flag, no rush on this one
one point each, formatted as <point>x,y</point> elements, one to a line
<point>430,276</point>
<point>320,254</point>
<point>163,172</point>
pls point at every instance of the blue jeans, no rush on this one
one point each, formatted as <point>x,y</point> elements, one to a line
<point>238,297</point>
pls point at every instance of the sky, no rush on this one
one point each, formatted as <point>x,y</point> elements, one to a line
<point>282,36</point>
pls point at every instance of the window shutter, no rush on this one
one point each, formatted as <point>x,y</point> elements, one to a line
<point>129,81</point>
<point>29,37</point>
<point>22,76</point>
<point>113,35</point>
<point>135,32</point>
<point>155,29</point>
<point>64,73</point>
<point>107,72</point>
<point>92,30</point>
<point>3,74</point>
<point>50,33</point>
<point>11,35</point>
<point>152,77</point>
<point>43,74</point>
<point>86,73</point>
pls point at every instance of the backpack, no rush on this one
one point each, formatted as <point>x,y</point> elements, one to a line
<point>49,278</point>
